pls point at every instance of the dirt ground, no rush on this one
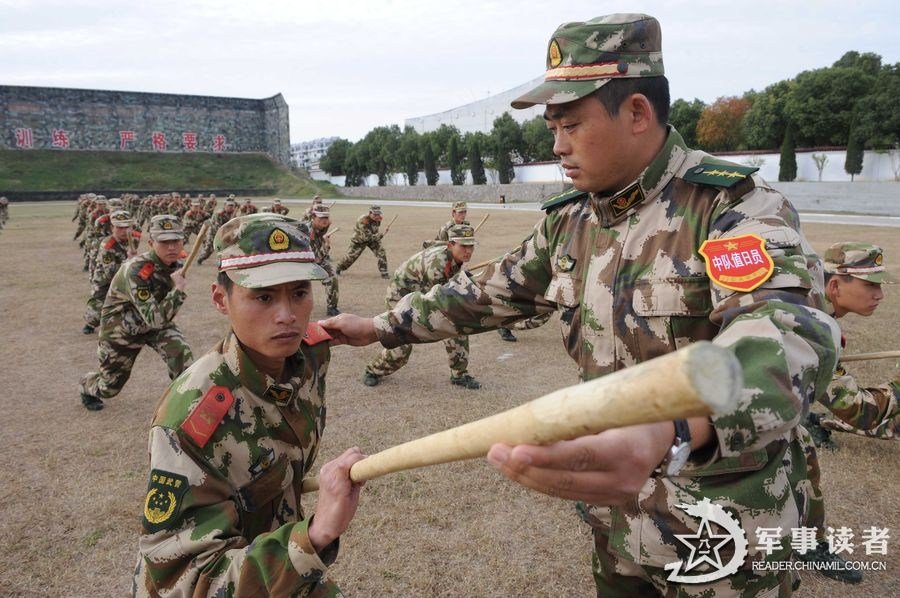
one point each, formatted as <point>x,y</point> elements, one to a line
<point>72,482</point>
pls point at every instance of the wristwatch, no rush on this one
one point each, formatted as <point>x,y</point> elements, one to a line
<point>678,454</point>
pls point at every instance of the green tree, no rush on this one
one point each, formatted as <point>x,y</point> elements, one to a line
<point>684,115</point>
<point>721,127</point>
<point>333,160</point>
<point>505,170</point>
<point>787,166</point>
<point>822,101</point>
<point>868,62</point>
<point>381,150</point>
<point>476,164</point>
<point>765,121</point>
<point>409,155</point>
<point>440,143</point>
<point>537,140</point>
<point>878,117</point>
<point>354,167</point>
<point>506,146</point>
<point>454,162</point>
<point>854,162</point>
<point>431,171</point>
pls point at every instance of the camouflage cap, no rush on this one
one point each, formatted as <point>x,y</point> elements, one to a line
<point>120,218</point>
<point>166,227</point>
<point>115,202</point>
<point>375,210</point>
<point>463,234</point>
<point>460,206</point>
<point>860,260</point>
<point>229,203</point>
<point>264,250</point>
<point>321,211</point>
<point>584,56</point>
<point>276,201</point>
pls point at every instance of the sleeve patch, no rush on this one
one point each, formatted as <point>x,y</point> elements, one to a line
<point>207,415</point>
<point>165,497</point>
<point>315,334</point>
<point>738,263</point>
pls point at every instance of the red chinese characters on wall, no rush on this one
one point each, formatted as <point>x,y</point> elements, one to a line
<point>218,143</point>
<point>189,141</point>
<point>125,137</point>
<point>60,138</point>
<point>158,141</point>
<point>24,138</point>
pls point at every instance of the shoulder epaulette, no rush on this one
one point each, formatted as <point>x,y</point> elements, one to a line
<point>110,243</point>
<point>315,334</point>
<point>562,199</point>
<point>718,173</point>
<point>147,271</point>
<point>207,415</point>
<point>136,234</point>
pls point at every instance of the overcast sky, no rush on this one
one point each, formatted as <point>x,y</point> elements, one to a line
<point>346,66</point>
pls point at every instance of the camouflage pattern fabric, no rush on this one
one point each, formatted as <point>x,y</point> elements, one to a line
<point>365,234</point>
<point>626,274</point>
<point>110,256</point>
<point>232,523</point>
<point>871,412</point>
<point>427,268</point>
<point>443,233</point>
<point>220,218</point>
<point>98,228</point>
<point>321,246</point>
<point>139,310</point>
<point>192,221</point>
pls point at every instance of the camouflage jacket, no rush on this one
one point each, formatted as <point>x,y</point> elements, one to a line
<point>444,232</point>
<point>430,267</point>
<point>872,411</point>
<point>99,227</point>
<point>320,245</point>
<point>192,221</point>
<point>366,231</point>
<point>626,274</point>
<point>218,219</point>
<point>229,448</point>
<point>141,298</point>
<point>110,256</point>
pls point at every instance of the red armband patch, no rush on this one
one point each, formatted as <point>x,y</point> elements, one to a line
<point>738,263</point>
<point>110,243</point>
<point>136,234</point>
<point>207,415</point>
<point>315,334</point>
<point>146,271</point>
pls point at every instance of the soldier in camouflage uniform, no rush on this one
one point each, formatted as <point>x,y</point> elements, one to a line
<point>222,514</point>
<point>193,219</point>
<point>366,234</point>
<point>4,211</point>
<point>219,218</point>
<point>247,208</point>
<point>98,229</point>
<point>307,215</point>
<point>279,208</point>
<point>431,266</point>
<point>457,216</point>
<point>854,273</point>
<point>113,251</point>
<point>320,242</point>
<point>657,247</point>
<point>140,307</point>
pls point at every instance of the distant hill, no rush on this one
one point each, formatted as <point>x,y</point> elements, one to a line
<point>80,171</point>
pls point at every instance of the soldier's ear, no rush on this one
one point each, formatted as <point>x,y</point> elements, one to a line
<point>220,298</point>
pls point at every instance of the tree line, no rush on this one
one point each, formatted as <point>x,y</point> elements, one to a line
<point>850,104</point>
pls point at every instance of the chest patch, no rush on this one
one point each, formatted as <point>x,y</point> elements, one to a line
<point>738,263</point>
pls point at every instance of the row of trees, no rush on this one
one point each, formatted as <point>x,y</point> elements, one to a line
<point>851,103</point>
<point>386,150</point>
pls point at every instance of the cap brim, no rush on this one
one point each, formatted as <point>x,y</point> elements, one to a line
<point>558,92</point>
<point>275,274</point>
<point>876,277</point>
<point>167,236</point>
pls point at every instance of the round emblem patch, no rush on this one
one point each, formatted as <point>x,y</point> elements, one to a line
<point>554,55</point>
<point>879,259</point>
<point>279,240</point>
<point>143,293</point>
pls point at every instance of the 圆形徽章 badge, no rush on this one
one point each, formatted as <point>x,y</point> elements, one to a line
<point>738,263</point>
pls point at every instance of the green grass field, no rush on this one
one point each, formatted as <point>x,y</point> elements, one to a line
<point>49,170</point>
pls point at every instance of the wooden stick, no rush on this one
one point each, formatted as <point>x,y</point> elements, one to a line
<point>481,265</point>
<point>388,227</point>
<point>201,237</point>
<point>331,205</point>
<point>483,220</point>
<point>331,232</point>
<point>698,380</point>
<point>867,356</point>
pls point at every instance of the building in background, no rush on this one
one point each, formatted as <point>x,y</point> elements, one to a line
<point>479,116</point>
<point>307,154</point>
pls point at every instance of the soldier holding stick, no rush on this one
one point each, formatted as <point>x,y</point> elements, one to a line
<point>641,259</point>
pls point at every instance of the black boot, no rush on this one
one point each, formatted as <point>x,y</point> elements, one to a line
<point>507,335</point>
<point>91,403</point>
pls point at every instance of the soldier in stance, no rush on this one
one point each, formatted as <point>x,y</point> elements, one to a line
<point>4,211</point>
<point>193,219</point>
<point>222,515</point>
<point>219,218</point>
<point>431,266</point>
<point>320,243</point>
<point>366,235</point>
<point>658,246</point>
<point>140,307</point>
<point>113,251</point>
<point>279,208</point>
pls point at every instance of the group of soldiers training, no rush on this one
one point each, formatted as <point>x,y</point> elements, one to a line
<point>617,256</point>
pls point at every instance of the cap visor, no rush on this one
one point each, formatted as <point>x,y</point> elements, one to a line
<point>167,236</point>
<point>876,277</point>
<point>275,274</point>
<point>557,92</point>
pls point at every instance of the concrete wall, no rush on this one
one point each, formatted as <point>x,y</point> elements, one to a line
<point>83,119</point>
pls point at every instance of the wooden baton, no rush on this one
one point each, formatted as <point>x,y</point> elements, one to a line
<point>698,380</point>
<point>867,356</point>
<point>388,227</point>
<point>331,232</point>
<point>483,220</point>
<point>201,237</point>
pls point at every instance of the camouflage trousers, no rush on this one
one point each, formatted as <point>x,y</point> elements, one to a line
<point>207,248</point>
<point>391,360</point>
<point>886,430</point>
<point>117,358</point>
<point>616,577</point>
<point>533,322</point>
<point>815,508</point>
<point>356,250</point>
<point>331,283</point>
<point>95,304</point>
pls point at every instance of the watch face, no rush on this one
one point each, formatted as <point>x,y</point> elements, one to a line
<point>679,458</point>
